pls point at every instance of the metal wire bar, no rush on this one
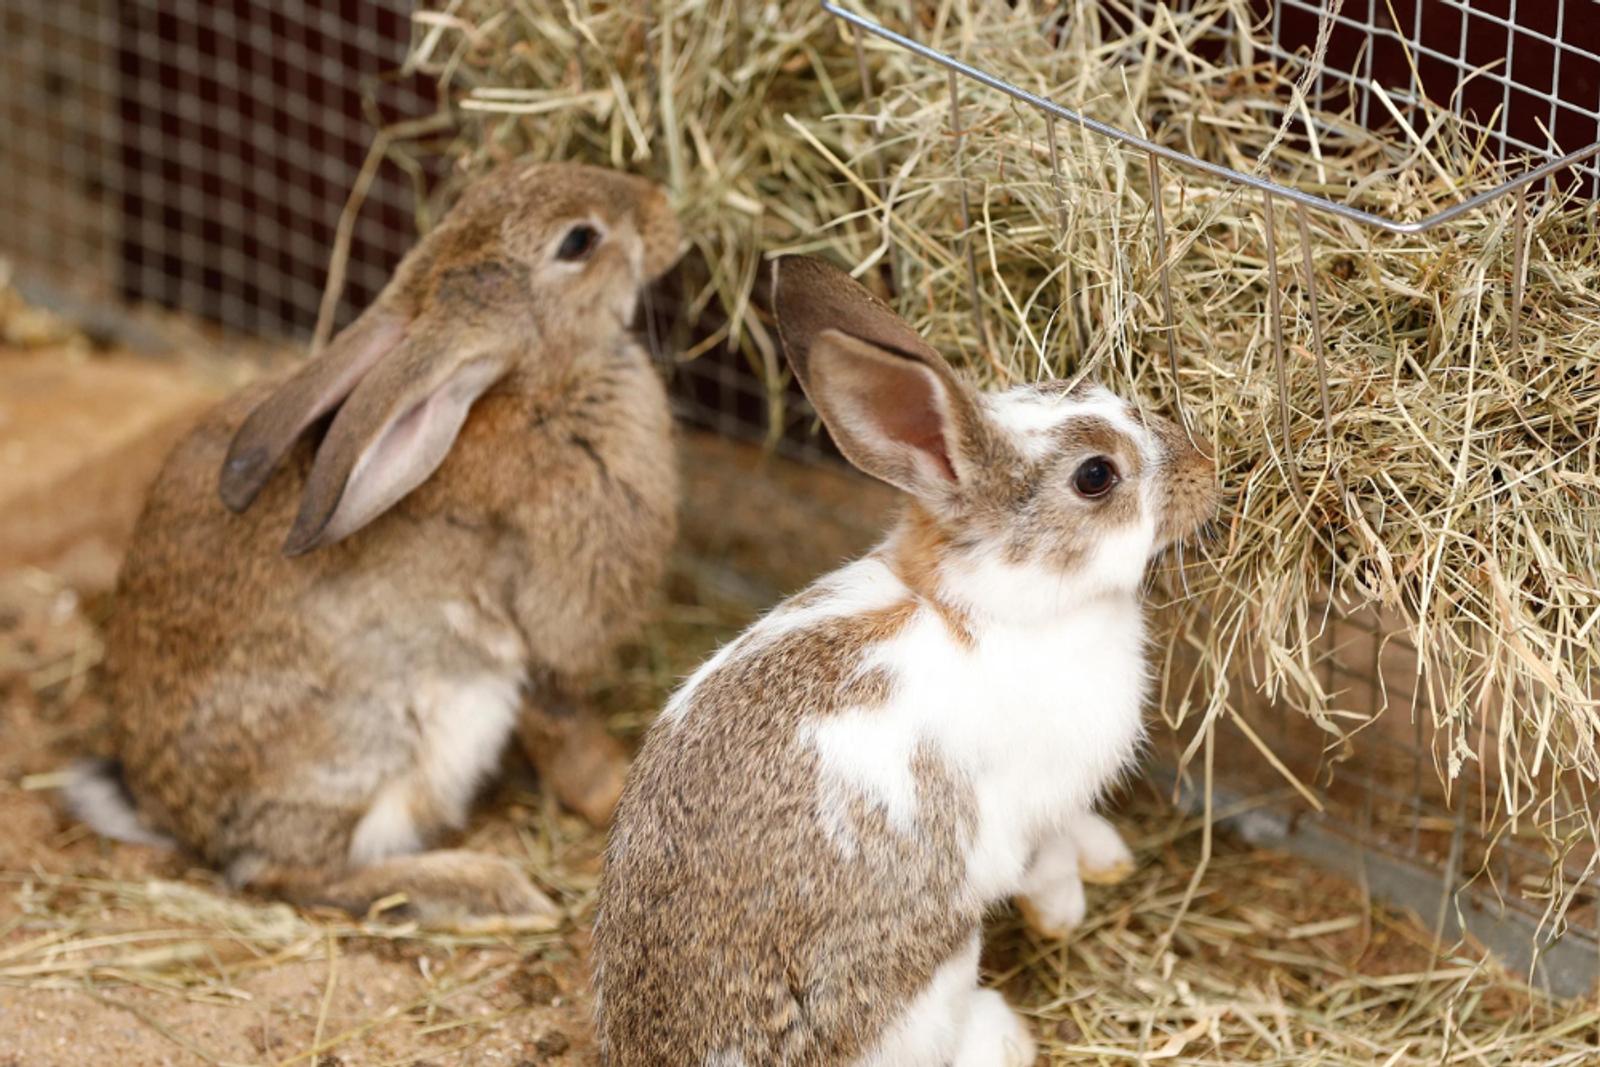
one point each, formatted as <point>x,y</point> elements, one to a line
<point>1518,263</point>
<point>1319,349</point>
<point>1067,287</point>
<point>1419,49</point>
<point>880,170</point>
<point>1275,306</point>
<point>865,74</point>
<point>1309,200</point>
<point>1055,173</point>
<point>1163,257</point>
<point>966,213</point>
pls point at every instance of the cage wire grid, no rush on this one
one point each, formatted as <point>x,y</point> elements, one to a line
<point>1436,854</point>
<point>200,156</point>
<point>197,155</point>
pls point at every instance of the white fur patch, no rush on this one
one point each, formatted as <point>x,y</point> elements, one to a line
<point>954,1022</point>
<point>465,724</point>
<point>929,1031</point>
<point>990,585</point>
<point>995,1036</point>
<point>862,755</point>
<point>462,725</point>
<point>1031,416</point>
<point>1028,417</point>
<point>97,798</point>
<point>1038,716</point>
<point>387,829</point>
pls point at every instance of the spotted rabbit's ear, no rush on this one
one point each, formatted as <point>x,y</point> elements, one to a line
<point>892,404</point>
<point>316,389</point>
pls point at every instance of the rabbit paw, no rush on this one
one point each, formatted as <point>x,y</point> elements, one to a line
<point>994,1035</point>
<point>1054,910</point>
<point>1089,850</point>
<point>1103,857</point>
<point>581,764</point>
<point>446,888</point>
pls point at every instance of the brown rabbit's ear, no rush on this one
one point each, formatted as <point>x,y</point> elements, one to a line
<point>890,401</point>
<point>316,389</point>
<point>393,432</point>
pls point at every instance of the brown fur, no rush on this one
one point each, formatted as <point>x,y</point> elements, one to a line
<point>1191,483</point>
<point>915,553</point>
<point>763,960</point>
<point>260,700</point>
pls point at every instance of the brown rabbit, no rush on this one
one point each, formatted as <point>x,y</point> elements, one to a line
<point>478,488</point>
<point>821,816</point>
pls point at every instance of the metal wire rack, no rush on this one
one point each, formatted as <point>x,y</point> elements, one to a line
<point>1272,191</point>
<point>1545,78</point>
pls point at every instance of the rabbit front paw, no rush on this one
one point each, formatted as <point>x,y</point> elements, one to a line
<point>577,759</point>
<point>1089,850</point>
<point>1103,857</point>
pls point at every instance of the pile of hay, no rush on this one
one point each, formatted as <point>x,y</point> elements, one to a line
<point>1460,489</point>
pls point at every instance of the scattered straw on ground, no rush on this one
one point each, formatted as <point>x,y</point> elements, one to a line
<point>121,954</point>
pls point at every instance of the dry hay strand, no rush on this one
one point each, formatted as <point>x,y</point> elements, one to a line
<point>1457,489</point>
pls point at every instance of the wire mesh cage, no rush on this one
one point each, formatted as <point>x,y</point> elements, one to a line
<point>218,158</point>
<point>198,156</point>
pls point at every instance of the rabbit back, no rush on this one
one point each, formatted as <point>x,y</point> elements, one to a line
<point>730,845</point>
<point>817,823</point>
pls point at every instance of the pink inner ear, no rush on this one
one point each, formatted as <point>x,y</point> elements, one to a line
<point>403,452</point>
<point>907,410</point>
<point>923,429</point>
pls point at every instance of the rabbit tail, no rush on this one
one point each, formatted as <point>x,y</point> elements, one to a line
<point>97,794</point>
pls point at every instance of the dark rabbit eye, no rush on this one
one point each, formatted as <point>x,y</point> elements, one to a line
<point>1095,477</point>
<point>579,242</point>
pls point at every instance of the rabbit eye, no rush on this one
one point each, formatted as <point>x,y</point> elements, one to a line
<point>579,243</point>
<point>1095,477</point>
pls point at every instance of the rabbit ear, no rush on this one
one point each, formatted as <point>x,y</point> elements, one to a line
<point>894,417</point>
<point>393,432</point>
<point>316,389</point>
<point>888,398</point>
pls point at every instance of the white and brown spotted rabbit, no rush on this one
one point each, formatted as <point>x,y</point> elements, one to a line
<point>425,537</point>
<point>814,829</point>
